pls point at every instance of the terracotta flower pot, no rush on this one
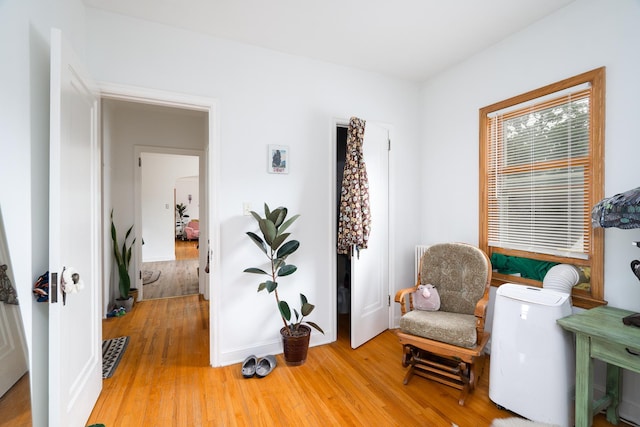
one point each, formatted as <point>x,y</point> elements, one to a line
<point>133,292</point>
<point>295,346</point>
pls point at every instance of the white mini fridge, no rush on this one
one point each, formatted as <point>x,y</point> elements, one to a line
<point>532,370</point>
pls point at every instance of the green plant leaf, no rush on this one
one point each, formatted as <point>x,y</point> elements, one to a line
<point>114,238</point>
<point>271,286</point>
<point>256,216</point>
<point>280,238</point>
<point>127,254</point>
<point>297,315</point>
<point>287,269</point>
<point>286,225</point>
<point>315,326</point>
<point>288,248</point>
<point>122,258</point>
<point>307,309</point>
<point>303,299</point>
<point>282,214</point>
<point>262,286</point>
<point>268,230</point>
<point>284,310</point>
<point>124,282</point>
<point>266,210</point>
<point>256,271</point>
<point>126,236</point>
<point>258,241</point>
<point>275,214</point>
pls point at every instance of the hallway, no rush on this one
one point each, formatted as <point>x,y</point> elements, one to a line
<point>176,278</point>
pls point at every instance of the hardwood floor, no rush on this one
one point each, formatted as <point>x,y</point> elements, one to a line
<point>15,405</point>
<point>164,379</point>
<point>186,249</point>
<point>177,278</point>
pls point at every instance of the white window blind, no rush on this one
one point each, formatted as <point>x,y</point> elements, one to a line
<point>538,179</point>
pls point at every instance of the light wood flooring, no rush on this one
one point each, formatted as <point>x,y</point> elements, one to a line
<point>186,249</point>
<point>15,405</point>
<point>177,278</point>
<point>164,379</point>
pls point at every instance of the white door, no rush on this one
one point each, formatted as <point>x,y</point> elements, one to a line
<point>13,347</point>
<point>75,334</point>
<point>13,355</point>
<point>370,268</point>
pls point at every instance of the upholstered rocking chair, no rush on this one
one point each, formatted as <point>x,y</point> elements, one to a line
<point>447,345</point>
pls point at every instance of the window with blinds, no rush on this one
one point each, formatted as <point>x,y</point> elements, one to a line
<point>537,184</point>
<point>541,173</point>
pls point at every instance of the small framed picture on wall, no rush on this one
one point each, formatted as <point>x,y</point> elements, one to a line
<point>278,159</point>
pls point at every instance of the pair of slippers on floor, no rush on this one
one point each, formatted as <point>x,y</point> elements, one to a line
<point>258,367</point>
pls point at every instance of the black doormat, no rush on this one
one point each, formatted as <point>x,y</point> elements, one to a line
<point>112,351</point>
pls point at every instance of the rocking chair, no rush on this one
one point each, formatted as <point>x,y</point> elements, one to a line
<point>447,345</point>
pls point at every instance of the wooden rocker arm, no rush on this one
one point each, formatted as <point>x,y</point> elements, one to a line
<point>403,296</point>
<point>481,312</point>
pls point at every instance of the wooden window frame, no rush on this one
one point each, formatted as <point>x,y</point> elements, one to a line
<point>581,298</point>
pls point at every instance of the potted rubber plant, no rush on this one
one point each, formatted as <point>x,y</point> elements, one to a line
<point>122,257</point>
<point>274,244</point>
<point>181,210</point>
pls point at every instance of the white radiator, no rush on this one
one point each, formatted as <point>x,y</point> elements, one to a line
<point>420,250</point>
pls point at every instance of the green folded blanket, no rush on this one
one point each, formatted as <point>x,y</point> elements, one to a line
<point>528,268</point>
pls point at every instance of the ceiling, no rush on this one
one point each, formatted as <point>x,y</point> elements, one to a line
<point>407,39</point>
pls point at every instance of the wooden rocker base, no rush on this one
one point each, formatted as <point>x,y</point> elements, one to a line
<point>447,364</point>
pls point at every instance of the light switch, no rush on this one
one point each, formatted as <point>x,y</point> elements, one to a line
<point>246,208</point>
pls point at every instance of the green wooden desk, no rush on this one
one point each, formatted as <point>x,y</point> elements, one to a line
<point>600,334</point>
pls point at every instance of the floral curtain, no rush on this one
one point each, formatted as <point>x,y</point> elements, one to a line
<point>7,292</point>
<point>354,223</point>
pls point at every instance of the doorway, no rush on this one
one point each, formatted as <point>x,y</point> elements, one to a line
<point>170,223</point>
<point>165,146</point>
<point>120,171</point>
<point>362,278</point>
<point>343,261</point>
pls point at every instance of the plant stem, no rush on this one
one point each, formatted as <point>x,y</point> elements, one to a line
<point>278,304</point>
<point>273,277</point>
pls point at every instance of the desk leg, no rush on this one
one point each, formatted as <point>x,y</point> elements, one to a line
<point>613,391</point>
<point>584,382</point>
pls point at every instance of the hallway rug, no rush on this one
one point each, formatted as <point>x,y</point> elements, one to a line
<point>150,276</point>
<point>112,351</point>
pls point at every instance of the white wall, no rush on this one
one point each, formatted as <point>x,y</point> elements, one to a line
<point>160,173</point>
<point>584,35</point>
<point>24,141</point>
<point>270,98</point>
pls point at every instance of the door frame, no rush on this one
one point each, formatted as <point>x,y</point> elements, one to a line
<point>211,170</point>
<point>342,122</point>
